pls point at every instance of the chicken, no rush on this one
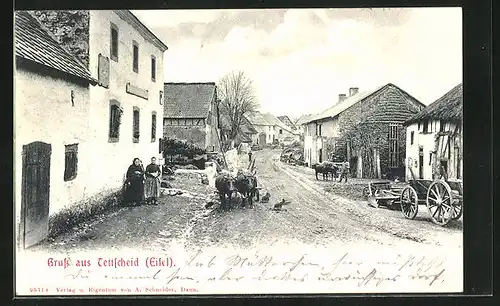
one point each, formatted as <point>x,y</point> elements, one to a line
<point>265,198</point>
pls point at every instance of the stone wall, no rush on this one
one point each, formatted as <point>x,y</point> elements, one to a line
<point>70,28</point>
<point>365,126</point>
<point>195,134</point>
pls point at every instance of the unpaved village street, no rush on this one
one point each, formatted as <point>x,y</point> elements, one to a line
<point>319,213</point>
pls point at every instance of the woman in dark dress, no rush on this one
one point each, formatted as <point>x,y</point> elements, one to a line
<point>152,185</point>
<point>134,183</point>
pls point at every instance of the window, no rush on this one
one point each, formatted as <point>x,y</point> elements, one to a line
<point>136,56</point>
<point>153,127</point>
<point>411,137</point>
<point>136,131</point>
<point>393,146</point>
<point>425,127</point>
<point>114,43</point>
<point>115,114</point>
<point>281,131</point>
<point>318,129</point>
<point>442,124</point>
<point>153,68</point>
<point>70,162</point>
<point>161,97</point>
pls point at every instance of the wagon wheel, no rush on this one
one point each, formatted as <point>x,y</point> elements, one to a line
<point>457,208</point>
<point>409,202</point>
<point>439,202</point>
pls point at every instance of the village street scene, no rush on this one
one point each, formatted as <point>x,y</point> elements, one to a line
<point>138,129</point>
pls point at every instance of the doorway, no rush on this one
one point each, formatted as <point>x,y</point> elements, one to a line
<point>35,192</point>
<point>320,155</point>
<point>262,139</point>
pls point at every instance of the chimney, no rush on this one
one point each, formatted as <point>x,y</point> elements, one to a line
<point>353,91</point>
<point>342,97</point>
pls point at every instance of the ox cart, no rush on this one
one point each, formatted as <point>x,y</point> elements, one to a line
<point>443,198</point>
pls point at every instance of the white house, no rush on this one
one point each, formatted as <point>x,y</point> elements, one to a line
<point>434,144</point>
<point>74,141</point>
<point>269,128</point>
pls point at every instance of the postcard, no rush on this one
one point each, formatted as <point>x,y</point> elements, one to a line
<point>264,151</point>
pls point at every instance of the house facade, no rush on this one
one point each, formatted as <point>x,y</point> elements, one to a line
<point>286,120</point>
<point>191,114</point>
<point>74,140</point>
<point>364,128</point>
<point>434,142</point>
<point>300,123</point>
<point>269,128</point>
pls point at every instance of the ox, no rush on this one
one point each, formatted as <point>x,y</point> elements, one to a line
<point>246,184</point>
<point>224,183</point>
<point>325,168</point>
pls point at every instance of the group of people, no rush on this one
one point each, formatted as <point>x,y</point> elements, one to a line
<point>142,185</point>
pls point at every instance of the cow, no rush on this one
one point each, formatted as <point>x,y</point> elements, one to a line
<point>224,183</point>
<point>246,184</point>
<point>325,168</point>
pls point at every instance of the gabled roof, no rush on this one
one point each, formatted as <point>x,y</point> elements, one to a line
<point>188,100</point>
<point>286,120</point>
<point>129,17</point>
<point>449,107</point>
<point>34,43</point>
<point>248,128</point>
<point>354,99</point>
<point>303,119</point>
<point>257,118</point>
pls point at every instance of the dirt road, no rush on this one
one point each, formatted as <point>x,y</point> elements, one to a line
<point>316,215</point>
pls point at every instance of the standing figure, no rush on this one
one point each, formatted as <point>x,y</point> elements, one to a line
<point>135,183</point>
<point>250,156</point>
<point>152,184</point>
<point>344,171</point>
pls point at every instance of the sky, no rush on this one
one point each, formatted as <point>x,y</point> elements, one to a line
<point>300,60</point>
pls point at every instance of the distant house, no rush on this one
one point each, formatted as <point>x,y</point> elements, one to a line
<point>300,124</point>
<point>434,143</point>
<point>270,129</point>
<point>364,128</point>
<point>247,132</point>
<point>191,114</point>
<point>286,120</point>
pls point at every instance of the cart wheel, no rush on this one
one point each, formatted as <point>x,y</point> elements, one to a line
<point>439,202</point>
<point>457,208</point>
<point>409,202</point>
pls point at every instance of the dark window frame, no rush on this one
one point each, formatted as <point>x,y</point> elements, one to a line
<point>136,124</point>
<point>154,121</point>
<point>135,56</point>
<point>394,152</point>
<point>112,54</point>
<point>70,162</point>
<point>425,127</point>
<point>153,68</point>
<point>115,115</point>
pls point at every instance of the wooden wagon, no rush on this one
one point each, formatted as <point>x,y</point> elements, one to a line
<point>443,198</point>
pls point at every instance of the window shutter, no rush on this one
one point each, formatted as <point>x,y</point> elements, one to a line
<point>103,71</point>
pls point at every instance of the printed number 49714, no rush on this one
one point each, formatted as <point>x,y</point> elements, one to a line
<point>41,290</point>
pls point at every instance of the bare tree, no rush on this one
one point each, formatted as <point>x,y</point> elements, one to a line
<point>237,98</point>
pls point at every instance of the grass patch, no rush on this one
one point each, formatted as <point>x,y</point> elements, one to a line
<point>71,217</point>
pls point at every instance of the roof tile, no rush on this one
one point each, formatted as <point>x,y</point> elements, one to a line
<point>188,100</point>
